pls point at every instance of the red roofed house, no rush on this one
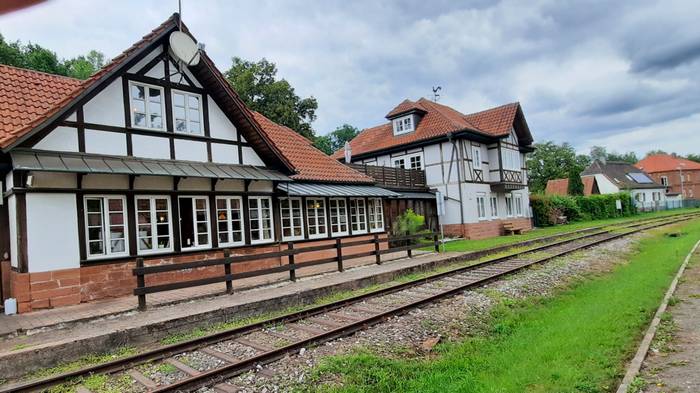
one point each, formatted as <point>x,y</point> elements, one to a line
<point>475,160</point>
<point>157,159</point>
<point>676,173</point>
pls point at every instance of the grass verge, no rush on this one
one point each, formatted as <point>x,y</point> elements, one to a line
<point>576,341</point>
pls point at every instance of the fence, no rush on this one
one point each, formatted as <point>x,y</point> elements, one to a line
<point>402,243</point>
<point>666,205</point>
<point>394,177</point>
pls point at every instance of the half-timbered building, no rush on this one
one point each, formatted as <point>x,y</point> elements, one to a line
<point>155,159</point>
<point>476,160</point>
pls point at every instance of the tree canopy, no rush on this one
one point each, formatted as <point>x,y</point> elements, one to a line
<point>258,86</point>
<point>35,57</point>
<point>336,139</point>
<point>552,161</point>
<point>601,153</point>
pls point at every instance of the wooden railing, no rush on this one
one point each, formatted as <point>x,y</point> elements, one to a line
<point>512,176</point>
<point>394,177</point>
<point>405,243</point>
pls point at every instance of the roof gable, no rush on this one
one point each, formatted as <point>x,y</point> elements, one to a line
<point>621,174</point>
<point>666,163</point>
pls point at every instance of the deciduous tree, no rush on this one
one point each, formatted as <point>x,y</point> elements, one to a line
<point>552,161</point>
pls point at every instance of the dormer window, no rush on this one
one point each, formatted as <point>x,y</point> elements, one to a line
<point>403,125</point>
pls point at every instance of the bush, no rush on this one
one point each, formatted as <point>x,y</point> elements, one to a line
<point>409,223</point>
<point>547,209</point>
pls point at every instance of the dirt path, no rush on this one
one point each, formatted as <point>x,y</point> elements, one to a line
<point>673,363</point>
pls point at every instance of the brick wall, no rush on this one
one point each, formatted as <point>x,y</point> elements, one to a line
<point>35,291</point>
<point>484,229</point>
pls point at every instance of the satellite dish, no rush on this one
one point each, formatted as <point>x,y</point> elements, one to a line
<point>184,48</point>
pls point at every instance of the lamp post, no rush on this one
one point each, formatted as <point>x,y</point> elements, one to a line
<point>680,173</point>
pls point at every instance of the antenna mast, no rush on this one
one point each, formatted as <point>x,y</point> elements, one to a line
<point>436,95</point>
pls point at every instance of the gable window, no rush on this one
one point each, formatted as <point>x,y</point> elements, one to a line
<point>664,180</point>
<point>260,216</point>
<point>339,217</point>
<point>358,216</point>
<point>518,205</point>
<point>376,215</point>
<point>316,217</point>
<point>187,112</point>
<point>105,226</point>
<point>481,205</point>
<point>476,157</point>
<point>154,227</point>
<point>194,222</point>
<point>146,106</point>
<point>509,205</point>
<point>403,125</point>
<point>494,206</point>
<point>229,218</point>
<point>291,216</point>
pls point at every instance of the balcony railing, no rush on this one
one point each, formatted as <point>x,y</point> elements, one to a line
<point>399,178</point>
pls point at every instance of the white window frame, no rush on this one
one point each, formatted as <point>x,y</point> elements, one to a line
<point>664,181</point>
<point>493,202</point>
<point>355,214</point>
<point>509,205</point>
<point>518,201</point>
<point>476,157</point>
<point>196,245</point>
<point>147,106</point>
<point>260,219</point>
<point>375,209</point>
<point>403,125</point>
<point>401,160</point>
<point>106,227</point>
<point>405,161</point>
<point>411,160</point>
<point>291,226</point>
<point>313,212</point>
<point>229,218</point>
<point>335,212</point>
<point>187,95</point>
<point>481,206</point>
<point>154,224</point>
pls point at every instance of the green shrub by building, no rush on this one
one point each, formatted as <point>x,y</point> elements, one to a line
<point>548,209</point>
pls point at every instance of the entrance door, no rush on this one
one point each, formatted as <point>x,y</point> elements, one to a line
<point>186,223</point>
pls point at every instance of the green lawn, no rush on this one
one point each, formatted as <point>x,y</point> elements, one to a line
<point>474,245</point>
<point>576,341</point>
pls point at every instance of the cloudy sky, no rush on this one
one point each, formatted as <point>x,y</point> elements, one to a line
<point>625,75</point>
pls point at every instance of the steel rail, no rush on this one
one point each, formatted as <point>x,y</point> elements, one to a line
<point>194,344</point>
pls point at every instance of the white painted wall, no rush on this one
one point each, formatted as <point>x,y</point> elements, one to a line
<point>645,197</point>
<point>190,150</point>
<point>150,146</point>
<point>59,139</point>
<point>52,232</point>
<point>146,59</point>
<point>224,154</point>
<point>158,71</point>
<point>107,107</point>
<point>605,185</point>
<point>219,125</point>
<point>12,218</point>
<point>103,142</point>
<point>250,157</point>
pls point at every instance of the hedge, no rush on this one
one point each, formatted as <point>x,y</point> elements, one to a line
<point>546,209</point>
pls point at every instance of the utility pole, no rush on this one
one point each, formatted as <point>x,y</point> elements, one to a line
<point>680,172</point>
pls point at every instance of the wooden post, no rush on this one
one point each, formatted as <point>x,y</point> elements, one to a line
<point>227,271</point>
<point>436,242</point>
<point>140,283</point>
<point>377,256</point>
<point>292,269</point>
<point>339,254</point>
<point>409,251</point>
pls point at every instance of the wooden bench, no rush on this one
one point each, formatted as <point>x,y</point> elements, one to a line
<point>515,228</point>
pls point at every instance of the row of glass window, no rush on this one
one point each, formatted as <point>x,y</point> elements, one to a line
<point>514,205</point>
<point>147,108</point>
<point>106,224</point>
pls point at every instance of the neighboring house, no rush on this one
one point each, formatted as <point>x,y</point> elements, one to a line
<point>675,173</point>
<point>147,160</point>
<point>561,186</point>
<point>612,177</point>
<point>477,160</point>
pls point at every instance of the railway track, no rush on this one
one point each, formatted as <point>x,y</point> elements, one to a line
<point>207,362</point>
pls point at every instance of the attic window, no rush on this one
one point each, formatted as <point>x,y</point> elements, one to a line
<point>403,125</point>
<point>146,106</point>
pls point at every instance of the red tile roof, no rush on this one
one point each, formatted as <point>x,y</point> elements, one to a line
<point>665,163</point>
<point>438,120</point>
<point>405,106</point>
<point>557,187</point>
<point>309,163</point>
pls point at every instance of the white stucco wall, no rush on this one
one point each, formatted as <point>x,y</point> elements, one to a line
<point>190,150</point>
<point>52,232</point>
<point>150,146</point>
<point>605,185</point>
<point>225,154</point>
<point>107,107</point>
<point>103,142</point>
<point>219,125</point>
<point>59,139</point>
<point>250,157</point>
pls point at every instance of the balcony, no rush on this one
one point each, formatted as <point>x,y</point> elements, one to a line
<point>394,178</point>
<point>509,181</point>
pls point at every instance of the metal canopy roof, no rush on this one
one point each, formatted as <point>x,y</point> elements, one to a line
<point>417,195</point>
<point>331,190</point>
<point>86,163</point>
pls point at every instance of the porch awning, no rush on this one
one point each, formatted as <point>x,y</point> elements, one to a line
<point>89,163</point>
<point>334,190</point>
<point>417,195</point>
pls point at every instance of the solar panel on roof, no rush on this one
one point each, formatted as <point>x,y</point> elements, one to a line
<point>640,178</point>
